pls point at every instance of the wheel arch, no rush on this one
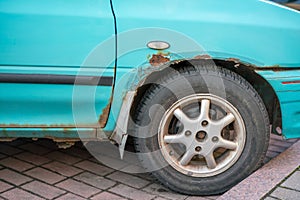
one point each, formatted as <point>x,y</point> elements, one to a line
<point>264,89</point>
<point>247,71</point>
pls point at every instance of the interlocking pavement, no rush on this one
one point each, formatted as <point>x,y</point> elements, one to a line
<point>40,170</point>
<point>288,189</point>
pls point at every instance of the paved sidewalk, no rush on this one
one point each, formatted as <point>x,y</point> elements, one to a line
<point>39,170</point>
<point>289,189</point>
<point>277,179</point>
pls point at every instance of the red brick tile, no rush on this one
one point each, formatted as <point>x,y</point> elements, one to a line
<point>128,179</point>
<point>4,186</point>
<point>16,194</point>
<point>32,158</point>
<point>44,175</point>
<point>107,196</point>
<point>62,169</point>
<point>78,188</point>
<point>13,177</point>
<point>94,180</point>
<point>35,148</point>
<point>70,196</point>
<point>131,193</point>
<point>42,189</point>
<point>15,164</point>
<point>95,168</point>
<point>62,157</point>
<point>8,150</point>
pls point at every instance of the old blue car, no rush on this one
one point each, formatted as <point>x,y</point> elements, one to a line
<point>194,86</point>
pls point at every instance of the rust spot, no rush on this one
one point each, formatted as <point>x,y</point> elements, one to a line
<point>158,59</point>
<point>105,113</point>
<point>235,60</point>
<point>7,139</point>
<point>204,56</point>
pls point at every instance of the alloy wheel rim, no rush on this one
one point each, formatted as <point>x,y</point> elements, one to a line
<point>201,143</point>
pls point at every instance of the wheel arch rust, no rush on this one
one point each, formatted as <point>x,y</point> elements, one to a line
<point>150,75</point>
<point>247,71</point>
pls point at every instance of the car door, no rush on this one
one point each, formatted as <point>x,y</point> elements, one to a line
<point>46,47</point>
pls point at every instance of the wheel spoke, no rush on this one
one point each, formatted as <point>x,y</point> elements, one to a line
<point>173,138</point>
<point>182,117</point>
<point>227,144</point>
<point>186,158</point>
<point>210,161</point>
<point>205,104</point>
<point>228,119</point>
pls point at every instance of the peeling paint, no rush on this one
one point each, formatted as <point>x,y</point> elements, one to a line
<point>204,56</point>
<point>105,112</point>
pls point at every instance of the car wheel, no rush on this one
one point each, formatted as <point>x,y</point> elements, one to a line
<point>201,129</point>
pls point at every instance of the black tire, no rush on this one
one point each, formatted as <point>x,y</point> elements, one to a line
<point>177,84</point>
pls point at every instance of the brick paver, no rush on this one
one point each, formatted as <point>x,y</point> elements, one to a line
<point>35,148</point>
<point>4,186</point>
<point>15,164</point>
<point>43,189</point>
<point>163,192</point>
<point>107,196</point>
<point>96,168</point>
<point>70,196</point>
<point>63,169</point>
<point>62,157</point>
<point>131,193</point>
<point>44,175</point>
<point>39,170</point>
<point>78,188</point>
<point>19,194</point>
<point>128,179</point>
<point>32,158</point>
<point>95,180</point>
<point>293,182</point>
<point>286,194</point>
<point>13,177</point>
<point>9,150</point>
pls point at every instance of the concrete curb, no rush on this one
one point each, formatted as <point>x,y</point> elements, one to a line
<point>261,182</point>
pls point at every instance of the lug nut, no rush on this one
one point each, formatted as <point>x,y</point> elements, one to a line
<point>215,139</point>
<point>204,123</point>
<point>198,149</point>
<point>188,133</point>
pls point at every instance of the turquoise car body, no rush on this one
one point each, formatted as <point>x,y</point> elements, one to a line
<point>101,46</point>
